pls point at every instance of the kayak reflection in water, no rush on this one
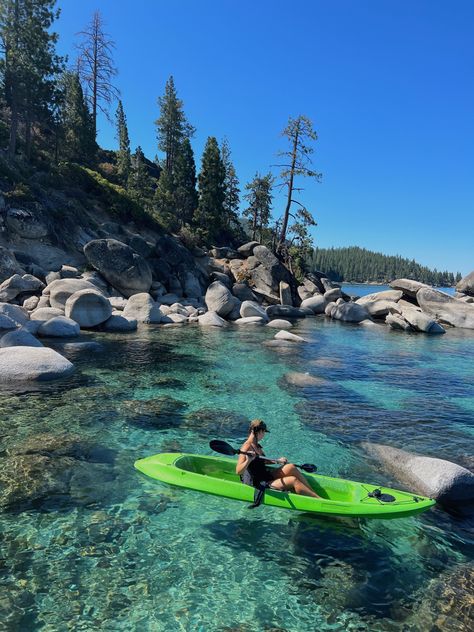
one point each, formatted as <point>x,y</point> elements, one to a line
<point>253,471</point>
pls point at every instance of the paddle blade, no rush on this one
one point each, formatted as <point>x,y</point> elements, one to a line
<point>222,447</point>
<point>308,467</point>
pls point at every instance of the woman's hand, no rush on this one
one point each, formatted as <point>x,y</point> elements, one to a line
<point>282,460</point>
<point>250,456</point>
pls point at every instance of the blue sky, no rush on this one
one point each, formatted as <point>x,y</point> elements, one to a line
<point>388,86</point>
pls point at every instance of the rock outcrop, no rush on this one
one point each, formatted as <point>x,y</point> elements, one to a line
<point>126,270</point>
<point>443,480</point>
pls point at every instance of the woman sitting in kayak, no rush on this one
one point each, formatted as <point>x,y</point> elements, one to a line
<point>252,469</point>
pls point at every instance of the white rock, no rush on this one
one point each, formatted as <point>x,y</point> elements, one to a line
<point>250,320</point>
<point>317,304</point>
<point>211,319</point>
<point>119,323</point>
<point>286,335</point>
<point>22,364</point>
<point>251,308</point>
<point>61,290</point>
<point>279,323</point>
<point>46,313</point>
<point>143,308</point>
<point>118,302</point>
<point>31,303</point>
<point>59,327</point>
<point>88,308</point>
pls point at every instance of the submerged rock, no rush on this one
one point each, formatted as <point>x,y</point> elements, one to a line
<point>447,602</point>
<point>303,379</point>
<point>286,335</point>
<point>445,481</point>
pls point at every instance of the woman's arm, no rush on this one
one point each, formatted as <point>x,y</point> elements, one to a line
<point>243,462</point>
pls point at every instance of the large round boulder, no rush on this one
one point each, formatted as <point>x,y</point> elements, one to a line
<point>317,304</point>
<point>61,289</point>
<point>219,299</point>
<point>46,313</point>
<point>119,324</point>
<point>19,338</point>
<point>120,265</point>
<point>59,327</point>
<point>251,308</point>
<point>211,319</point>
<point>408,286</point>
<point>142,308</point>
<point>284,311</point>
<point>466,284</point>
<point>443,480</point>
<point>18,314</point>
<point>349,312</point>
<point>23,364</point>
<point>445,308</point>
<point>88,308</point>
<point>17,284</point>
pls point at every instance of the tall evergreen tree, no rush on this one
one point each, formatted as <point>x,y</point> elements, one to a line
<point>172,127</point>
<point>96,67</point>
<point>139,183</point>
<point>210,215</point>
<point>76,122</point>
<point>259,198</point>
<point>185,194</point>
<point>299,133</point>
<point>123,154</point>
<point>231,186</point>
<point>29,66</point>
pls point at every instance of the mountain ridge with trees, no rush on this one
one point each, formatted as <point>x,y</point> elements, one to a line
<point>357,265</point>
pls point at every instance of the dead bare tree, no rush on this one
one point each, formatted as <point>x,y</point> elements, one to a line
<point>96,67</point>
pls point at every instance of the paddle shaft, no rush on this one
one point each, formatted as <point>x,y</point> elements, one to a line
<point>266,458</point>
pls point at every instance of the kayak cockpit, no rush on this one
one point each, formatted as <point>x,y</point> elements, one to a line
<point>218,468</point>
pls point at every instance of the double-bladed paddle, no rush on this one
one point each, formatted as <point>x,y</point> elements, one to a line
<point>225,448</point>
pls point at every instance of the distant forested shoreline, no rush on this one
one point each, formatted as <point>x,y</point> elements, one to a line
<point>358,265</point>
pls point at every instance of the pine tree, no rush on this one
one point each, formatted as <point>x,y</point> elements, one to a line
<point>76,122</point>
<point>96,67</point>
<point>29,66</point>
<point>210,215</point>
<point>299,133</point>
<point>123,154</point>
<point>231,187</point>
<point>259,198</point>
<point>172,127</point>
<point>139,183</point>
<point>185,194</point>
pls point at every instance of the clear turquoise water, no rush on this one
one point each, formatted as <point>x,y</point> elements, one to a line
<point>116,551</point>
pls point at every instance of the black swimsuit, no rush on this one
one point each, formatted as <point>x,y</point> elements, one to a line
<point>256,473</point>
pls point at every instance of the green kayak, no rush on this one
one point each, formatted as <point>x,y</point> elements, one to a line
<point>339,497</point>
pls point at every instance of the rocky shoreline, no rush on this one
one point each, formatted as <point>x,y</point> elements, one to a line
<point>127,280</point>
